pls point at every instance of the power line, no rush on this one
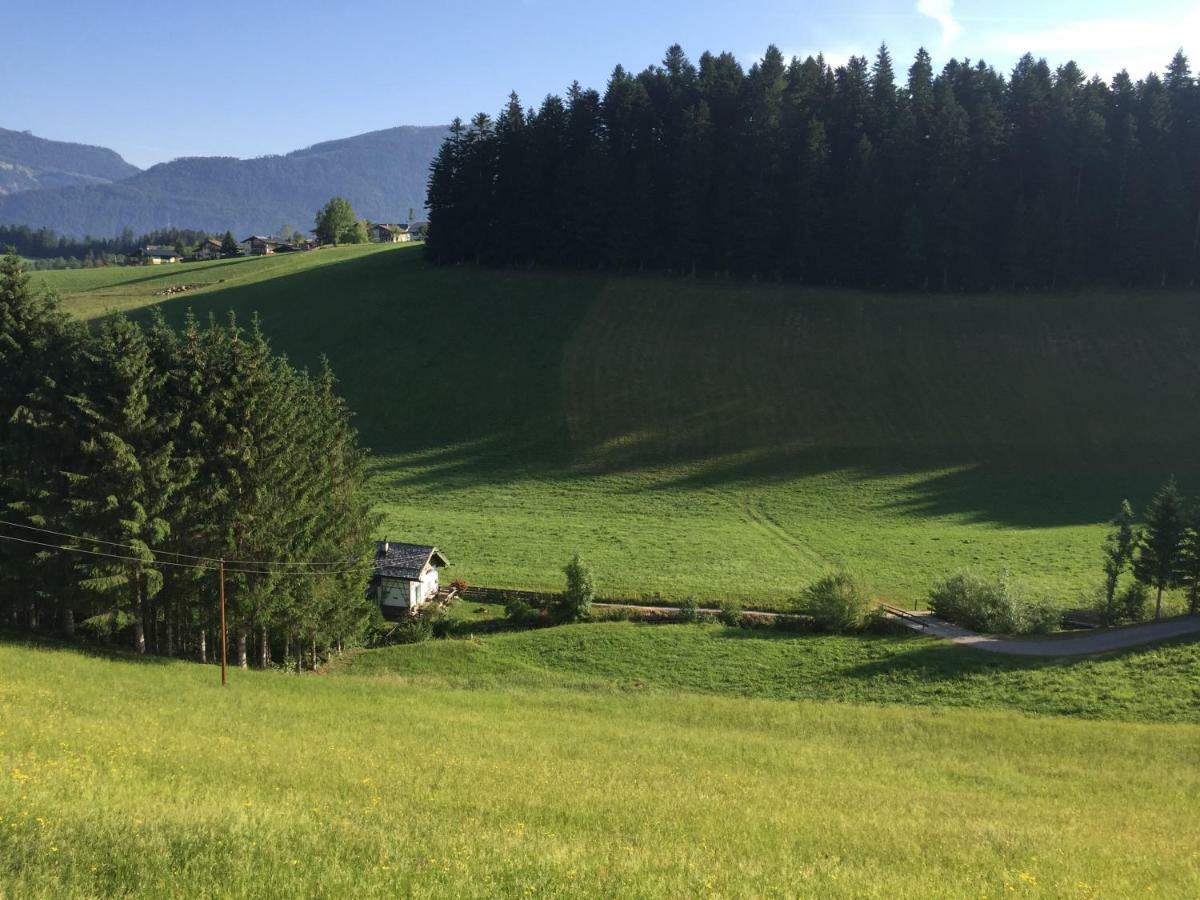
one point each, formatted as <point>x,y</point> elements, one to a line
<point>157,562</point>
<point>209,559</point>
<point>206,566</point>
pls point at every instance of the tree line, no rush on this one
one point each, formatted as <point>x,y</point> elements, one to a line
<point>961,180</point>
<point>152,452</point>
<point>46,244</point>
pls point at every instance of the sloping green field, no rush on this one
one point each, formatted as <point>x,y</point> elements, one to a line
<point>1150,684</point>
<point>725,439</point>
<point>145,778</point>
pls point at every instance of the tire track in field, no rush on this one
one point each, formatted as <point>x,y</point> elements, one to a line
<point>767,524</point>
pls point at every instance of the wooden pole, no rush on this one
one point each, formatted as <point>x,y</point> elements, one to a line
<point>223,641</point>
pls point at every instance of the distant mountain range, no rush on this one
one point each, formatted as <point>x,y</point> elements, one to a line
<point>28,163</point>
<point>382,173</point>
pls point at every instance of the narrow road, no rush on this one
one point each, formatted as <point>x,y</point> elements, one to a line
<point>1102,640</point>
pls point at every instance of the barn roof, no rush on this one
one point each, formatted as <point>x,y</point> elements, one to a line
<point>396,560</point>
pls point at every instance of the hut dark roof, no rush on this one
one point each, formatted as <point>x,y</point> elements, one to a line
<point>396,560</point>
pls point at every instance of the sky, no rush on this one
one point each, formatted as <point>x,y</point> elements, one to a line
<point>157,81</point>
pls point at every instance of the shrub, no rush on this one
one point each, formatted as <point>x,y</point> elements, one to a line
<point>731,614</point>
<point>442,624</point>
<point>838,603</point>
<point>991,605</point>
<point>689,610</point>
<point>576,601</point>
<point>1038,615</point>
<point>413,629</point>
<point>1134,602</point>
<point>517,609</point>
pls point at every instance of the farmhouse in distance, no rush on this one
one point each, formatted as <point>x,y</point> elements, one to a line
<point>155,256</point>
<point>389,233</point>
<point>406,576</point>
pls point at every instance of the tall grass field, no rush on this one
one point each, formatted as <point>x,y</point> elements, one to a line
<point>723,439</point>
<point>121,777</point>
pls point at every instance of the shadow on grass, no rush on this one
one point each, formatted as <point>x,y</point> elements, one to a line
<point>155,273</point>
<point>558,377</point>
<point>911,657</point>
<point>84,648</point>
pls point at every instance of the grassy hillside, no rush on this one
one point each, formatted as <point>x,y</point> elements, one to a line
<point>145,778</point>
<point>1149,684</point>
<point>727,439</point>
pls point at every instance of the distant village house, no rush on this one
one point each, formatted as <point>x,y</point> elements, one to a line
<point>258,245</point>
<point>389,233</point>
<point>406,576</point>
<point>155,255</point>
<point>209,249</point>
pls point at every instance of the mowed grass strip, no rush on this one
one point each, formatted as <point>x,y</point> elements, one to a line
<point>91,293</point>
<point>725,439</point>
<point>148,779</point>
<point>1154,683</point>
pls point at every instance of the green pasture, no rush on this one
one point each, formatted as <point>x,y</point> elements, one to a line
<point>1153,684</point>
<point>145,778</point>
<point>724,439</point>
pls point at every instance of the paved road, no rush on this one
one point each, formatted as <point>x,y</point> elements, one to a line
<point>1101,640</point>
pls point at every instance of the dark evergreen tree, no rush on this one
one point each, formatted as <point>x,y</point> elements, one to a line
<point>122,484</point>
<point>1189,553</point>
<point>1159,562</point>
<point>38,350</point>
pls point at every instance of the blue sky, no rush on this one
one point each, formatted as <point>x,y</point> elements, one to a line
<point>155,81</point>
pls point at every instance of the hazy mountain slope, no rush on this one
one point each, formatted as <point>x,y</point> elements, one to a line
<point>383,173</point>
<point>28,162</point>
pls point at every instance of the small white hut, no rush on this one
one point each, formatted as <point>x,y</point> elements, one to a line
<point>406,576</point>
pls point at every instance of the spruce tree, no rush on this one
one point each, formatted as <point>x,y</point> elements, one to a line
<point>1189,568</point>
<point>123,484</point>
<point>1159,563</point>
<point>39,356</point>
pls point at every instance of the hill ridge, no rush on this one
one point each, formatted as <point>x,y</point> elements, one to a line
<point>381,172</point>
<point>29,162</point>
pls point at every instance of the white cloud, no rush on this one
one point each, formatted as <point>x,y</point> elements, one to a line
<point>942,12</point>
<point>1105,45</point>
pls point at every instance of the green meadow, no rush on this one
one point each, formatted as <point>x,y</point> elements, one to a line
<point>718,438</point>
<point>1151,684</point>
<point>145,778</point>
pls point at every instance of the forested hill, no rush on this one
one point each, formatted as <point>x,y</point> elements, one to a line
<point>28,162</point>
<point>964,179</point>
<point>382,173</point>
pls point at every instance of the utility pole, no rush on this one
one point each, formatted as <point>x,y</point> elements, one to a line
<point>223,641</point>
